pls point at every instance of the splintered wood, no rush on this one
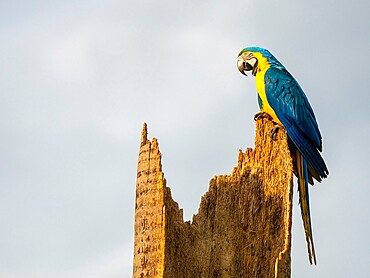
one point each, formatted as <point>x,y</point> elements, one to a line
<point>243,225</point>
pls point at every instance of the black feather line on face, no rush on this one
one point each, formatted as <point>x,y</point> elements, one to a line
<point>254,71</point>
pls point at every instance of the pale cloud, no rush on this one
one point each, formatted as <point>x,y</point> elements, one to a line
<point>68,56</point>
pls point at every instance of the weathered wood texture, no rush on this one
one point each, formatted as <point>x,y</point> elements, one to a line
<point>242,228</point>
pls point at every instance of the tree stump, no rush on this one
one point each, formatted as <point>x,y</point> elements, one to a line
<point>243,225</point>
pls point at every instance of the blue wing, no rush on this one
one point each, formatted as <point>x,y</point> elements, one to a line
<point>291,106</point>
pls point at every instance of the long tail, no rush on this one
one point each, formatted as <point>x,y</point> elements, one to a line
<point>302,170</point>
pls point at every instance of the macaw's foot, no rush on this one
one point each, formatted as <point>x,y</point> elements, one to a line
<point>261,115</point>
<point>274,130</point>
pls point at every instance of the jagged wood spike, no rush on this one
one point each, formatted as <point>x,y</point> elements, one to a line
<point>243,225</point>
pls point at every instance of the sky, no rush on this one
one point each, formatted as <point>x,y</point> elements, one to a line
<point>78,79</point>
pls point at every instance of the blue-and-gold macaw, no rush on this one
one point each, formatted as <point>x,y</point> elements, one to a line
<point>282,99</point>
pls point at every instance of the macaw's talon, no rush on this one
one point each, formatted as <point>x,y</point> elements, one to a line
<point>261,115</point>
<point>274,130</point>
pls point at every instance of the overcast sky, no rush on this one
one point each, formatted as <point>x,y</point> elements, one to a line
<point>78,79</point>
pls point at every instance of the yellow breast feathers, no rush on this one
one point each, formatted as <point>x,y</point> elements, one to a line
<point>263,66</point>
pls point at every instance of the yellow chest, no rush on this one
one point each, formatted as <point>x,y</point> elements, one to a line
<point>260,84</point>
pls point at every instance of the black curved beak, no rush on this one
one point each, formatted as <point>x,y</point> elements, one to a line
<point>243,67</point>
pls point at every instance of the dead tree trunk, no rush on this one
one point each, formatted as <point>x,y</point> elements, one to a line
<point>243,225</point>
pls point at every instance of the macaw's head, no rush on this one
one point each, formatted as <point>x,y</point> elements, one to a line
<point>254,58</point>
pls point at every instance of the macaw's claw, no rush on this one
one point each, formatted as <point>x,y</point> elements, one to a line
<point>274,130</point>
<point>261,115</point>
